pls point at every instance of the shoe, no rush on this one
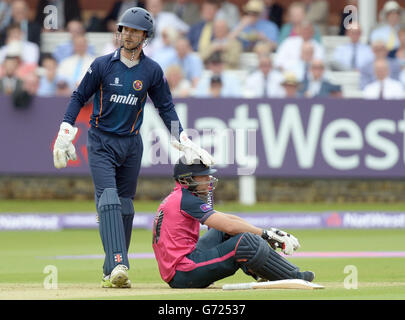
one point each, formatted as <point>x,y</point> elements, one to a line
<point>106,282</point>
<point>119,277</point>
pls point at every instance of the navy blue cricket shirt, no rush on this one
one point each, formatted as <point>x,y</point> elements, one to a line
<point>120,95</point>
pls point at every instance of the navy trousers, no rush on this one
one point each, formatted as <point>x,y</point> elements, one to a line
<point>114,162</point>
<point>214,256</point>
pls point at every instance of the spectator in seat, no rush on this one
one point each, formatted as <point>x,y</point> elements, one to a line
<point>179,86</point>
<point>388,30</point>
<point>163,19</point>
<point>20,91</point>
<point>252,28</point>
<point>186,10</point>
<point>73,68</point>
<point>289,52</point>
<point>201,33</point>
<point>353,55</point>
<point>317,85</point>
<point>9,81</point>
<point>380,51</point>
<point>290,85</point>
<point>301,67</point>
<point>29,50</point>
<point>230,48</point>
<point>296,16</point>
<point>230,84</point>
<point>167,54</point>
<point>265,82</point>
<point>263,48</point>
<point>20,15</point>
<point>65,50</point>
<point>47,77</point>
<point>15,49</point>
<point>229,12</point>
<point>189,61</point>
<point>384,87</point>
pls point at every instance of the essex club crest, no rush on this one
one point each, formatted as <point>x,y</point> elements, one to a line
<point>137,85</point>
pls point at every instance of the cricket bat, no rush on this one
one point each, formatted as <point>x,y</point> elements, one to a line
<point>280,284</point>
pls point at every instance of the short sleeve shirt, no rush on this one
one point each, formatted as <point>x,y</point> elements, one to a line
<point>176,229</point>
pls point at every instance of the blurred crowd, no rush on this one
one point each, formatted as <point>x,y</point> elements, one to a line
<point>199,47</point>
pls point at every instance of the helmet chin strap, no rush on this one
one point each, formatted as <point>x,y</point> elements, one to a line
<point>132,51</point>
<point>206,195</point>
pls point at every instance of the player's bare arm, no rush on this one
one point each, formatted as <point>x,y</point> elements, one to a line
<point>231,224</point>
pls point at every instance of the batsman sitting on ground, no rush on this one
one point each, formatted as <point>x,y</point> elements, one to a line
<point>120,82</point>
<point>187,261</point>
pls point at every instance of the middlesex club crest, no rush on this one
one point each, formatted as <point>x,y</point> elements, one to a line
<point>137,85</point>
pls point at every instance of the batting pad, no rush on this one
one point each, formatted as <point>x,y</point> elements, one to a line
<point>111,230</point>
<point>279,284</point>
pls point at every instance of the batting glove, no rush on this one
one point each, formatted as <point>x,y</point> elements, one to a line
<point>191,151</point>
<point>280,239</point>
<point>64,150</point>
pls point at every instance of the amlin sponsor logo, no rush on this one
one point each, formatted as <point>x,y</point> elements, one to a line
<point>130,99</point>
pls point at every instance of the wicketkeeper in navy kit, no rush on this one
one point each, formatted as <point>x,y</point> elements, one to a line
<point>120,82</point>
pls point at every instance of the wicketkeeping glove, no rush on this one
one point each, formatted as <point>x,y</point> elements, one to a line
<point>191,151</point>
<point>280,239</point>
<point>64,150</point>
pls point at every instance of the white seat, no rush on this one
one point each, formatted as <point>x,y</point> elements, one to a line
<point>345,77</point>
<point>50,40</point>
<point>348,80</point>
<point>331,42</point>
<point>248,61</point>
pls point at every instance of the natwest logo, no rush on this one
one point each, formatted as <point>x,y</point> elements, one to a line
<point>130,99</point>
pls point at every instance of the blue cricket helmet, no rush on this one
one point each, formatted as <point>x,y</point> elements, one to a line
<point>139,19</point>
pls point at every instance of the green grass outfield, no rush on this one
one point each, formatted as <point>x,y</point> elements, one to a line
<point>55,206</point>
<point>25,254</point>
